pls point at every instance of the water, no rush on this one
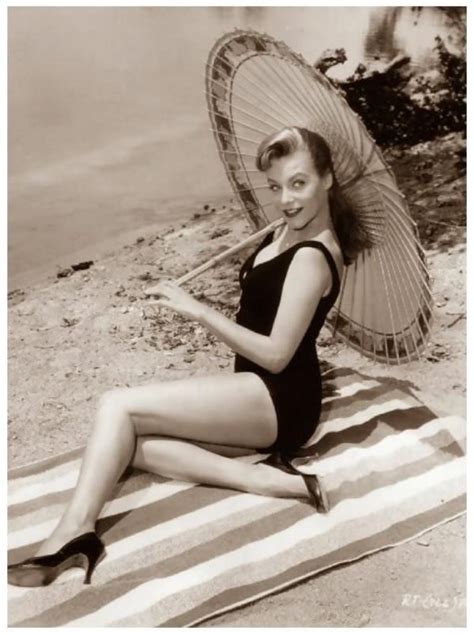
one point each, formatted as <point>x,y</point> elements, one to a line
<point>108,128</point>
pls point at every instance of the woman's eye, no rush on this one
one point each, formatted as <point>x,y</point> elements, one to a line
<point>298,184</point>
<point>273,188</point>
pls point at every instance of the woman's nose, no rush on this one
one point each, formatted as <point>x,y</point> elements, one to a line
<point>286,196</point>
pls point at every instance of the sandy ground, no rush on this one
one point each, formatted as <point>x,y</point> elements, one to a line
<point>73,336</point>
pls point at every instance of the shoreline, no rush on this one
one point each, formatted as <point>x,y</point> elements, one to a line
<point>180,210</point>
<point>98,251</point>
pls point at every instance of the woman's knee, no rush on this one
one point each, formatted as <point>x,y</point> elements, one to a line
<point>112,407</point>
<point>111,399</point>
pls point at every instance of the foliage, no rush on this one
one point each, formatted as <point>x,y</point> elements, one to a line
<point>400,109</point>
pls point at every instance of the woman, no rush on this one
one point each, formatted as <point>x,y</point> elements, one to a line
<point>188,429</point>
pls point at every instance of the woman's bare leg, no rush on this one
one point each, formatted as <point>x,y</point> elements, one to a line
<point>184,460</point>
<point>227,410</point>
<point>109,451</point>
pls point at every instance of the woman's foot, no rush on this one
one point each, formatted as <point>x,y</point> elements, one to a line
<point>62,534</point>
<point>85,551</point>
<point>275,482</point>
<point>297,484</point>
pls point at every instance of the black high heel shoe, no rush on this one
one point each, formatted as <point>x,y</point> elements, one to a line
<point>85,551</point>
<point>317,494</point>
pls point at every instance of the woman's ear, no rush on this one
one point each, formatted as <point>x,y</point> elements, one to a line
<point>328,180</point>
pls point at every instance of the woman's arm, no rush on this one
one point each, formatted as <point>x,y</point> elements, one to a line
<point>307,278</point>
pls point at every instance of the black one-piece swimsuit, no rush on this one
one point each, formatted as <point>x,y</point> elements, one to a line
<point>296,391</point>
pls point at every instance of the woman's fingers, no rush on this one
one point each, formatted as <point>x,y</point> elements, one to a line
<point>170,296</point>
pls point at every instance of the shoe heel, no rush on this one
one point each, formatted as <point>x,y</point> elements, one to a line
<point>92,562</point>
<point>317,493</point>
<point>324,501</point>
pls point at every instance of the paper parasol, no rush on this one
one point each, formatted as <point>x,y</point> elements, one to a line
<point>256,85</point>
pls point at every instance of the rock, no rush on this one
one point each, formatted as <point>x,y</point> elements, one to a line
<point>68,322</point>
<point>423,543</point>
<point>145,276</point>
<point>120,291</point>
<point>139,240</point>
<point>219,232</point>
<point>82,265</point>
<point>16,296</point>
<point>64,273</point>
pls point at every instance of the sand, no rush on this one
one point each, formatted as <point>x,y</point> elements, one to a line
<point>73,337</point>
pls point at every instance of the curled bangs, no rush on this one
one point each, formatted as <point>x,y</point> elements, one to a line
<point>279,144</point>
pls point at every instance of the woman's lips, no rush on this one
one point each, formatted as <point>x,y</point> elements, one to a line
<point>292,212</point>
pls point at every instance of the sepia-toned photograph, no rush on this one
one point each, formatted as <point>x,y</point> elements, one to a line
<point>236,316</point>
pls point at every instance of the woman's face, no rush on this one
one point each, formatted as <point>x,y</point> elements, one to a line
<point>299,191</point>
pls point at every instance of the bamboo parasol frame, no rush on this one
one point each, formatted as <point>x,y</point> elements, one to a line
<point>256,85</point>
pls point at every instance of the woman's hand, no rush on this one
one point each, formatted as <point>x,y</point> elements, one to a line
<point>173,297</point>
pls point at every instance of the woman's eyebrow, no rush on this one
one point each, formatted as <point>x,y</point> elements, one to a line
<point>269,178</point>
<point>298,174</point>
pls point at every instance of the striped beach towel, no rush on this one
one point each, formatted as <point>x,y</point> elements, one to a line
<point>178,553</point>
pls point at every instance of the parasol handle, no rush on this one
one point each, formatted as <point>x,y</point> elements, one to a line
<point>225,254</point>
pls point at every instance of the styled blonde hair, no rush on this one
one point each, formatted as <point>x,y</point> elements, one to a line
<point>352,235</point>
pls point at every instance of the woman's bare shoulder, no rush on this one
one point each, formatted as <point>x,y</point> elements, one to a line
<point>330,241</point>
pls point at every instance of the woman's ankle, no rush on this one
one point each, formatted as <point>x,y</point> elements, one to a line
<point>62,534</point>
<point>76,520</point>
<point>74,527</point>
<point>279,484</point>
